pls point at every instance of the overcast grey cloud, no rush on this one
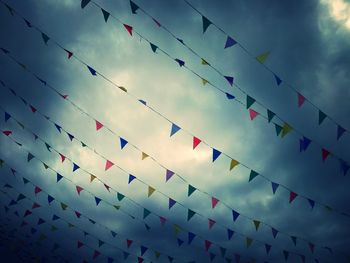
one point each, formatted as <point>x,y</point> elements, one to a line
<point>309,47</point>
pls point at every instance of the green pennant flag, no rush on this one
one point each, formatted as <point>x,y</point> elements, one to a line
<point>256,224</point>
<point>262,57</point>
<point>146,213</point>
<point>286,129</point>
<point>190,214</point>
<point>116,207</point>
<point>100,243</point>
<point>270,115</point>
<point>191,189</point>
<point>250,101</point>
<point>153,47</point>
<point>321,116</point>
<point>1,163</point>
<point>206,23</point>
<point>120,196</point>
<point>53,228</point>
<point>105,14</point>
<point>249,241</point>
<point>83,144</point>
<point>252,175</point>
<point>45,166</point>
<point>134,7</point>
<point>63,206</point>
<point>278,129</point>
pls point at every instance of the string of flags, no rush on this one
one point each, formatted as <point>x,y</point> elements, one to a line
<point>281,129</point>
<point>261,59</point>
<point>169,174</point>
<point>143,249</point>
<point>146,212</point>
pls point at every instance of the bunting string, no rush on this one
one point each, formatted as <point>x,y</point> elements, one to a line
<point>146,212</point>
<point>261,59</point>
<point>283,129</point>
<point>151,190</point>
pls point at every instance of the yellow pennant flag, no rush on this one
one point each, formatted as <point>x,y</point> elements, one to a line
<point>144,155</point>
<point>177,229</point>
<point>92,177</point>
<point>286,129</point>
<point>262,57</point>
<point>204,81</point>
<point>150,190</point>
<point>64,206</point>
<point>123,89</point>
<point>233,164</point>
<point>204,62</point>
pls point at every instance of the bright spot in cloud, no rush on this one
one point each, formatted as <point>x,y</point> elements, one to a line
<point>339,11</point>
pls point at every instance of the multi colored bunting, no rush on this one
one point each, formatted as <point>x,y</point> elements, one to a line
<point>191,236</point>
<point>325,154</point>
<point>92,71</point>
<point>180,62</point>
<point>131,178</point>
<point>211,223</point>
<point>274,187</point>
<point>252,175</point>
<point>230,234</point>
<point>229,80</point>
<point>191,189</point>
<point>235,215</point>
<point>286,129</point>
<point>150,190</point>
<point>172,202</point>
<point>340,131</point>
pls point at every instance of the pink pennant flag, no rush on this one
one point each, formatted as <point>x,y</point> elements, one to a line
<point>64,96</point>
<point>196,141</point>
<point>77,214</point>
<point>207,244</point>
<point>37,190</point>
<point>99,125</point>
<point>253,114</point>
<point>7,133</point>
<point>33,109</point>
<point>69,53</point>
<point>128,242</point>
<point>79,189</point>
<point>325,154</point>
<point>211,223</point>
<point>162,220</point>
<point>139,259</point>
<point>214,202</point>
<point>62,157</point>
<point>128,28</point>
<point>96,254</point>
<point>292,196</point>
<point>301,100</point>
<point>35,205</point>
<point>109,164</point>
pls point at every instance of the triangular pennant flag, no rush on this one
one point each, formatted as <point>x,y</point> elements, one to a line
<point>311,202</point>
<point>150,190</point>
<point>256,224</point>
<point>229,42</point>
<point>278,129</point>
<point>99,125</point>
<point>216,154</point>
<point>59,177</point>
<point>48,147</point>
<point>96,254</point>
<point>301,100</point>
<point>177,229</point>
<point>321,116</point>
<point>229,96</point>
<point>233,164</point>
<point>325,154</point>
<point>125,255</point>
<point>292,196</point>
<point>128,28</point>
<point>270,115</point>
<point>27,213</point>
<point>235,215</point>
<point>180,62</point>
<point>92,71</point>
<point>344,166</point>
<point>285,254</point>
<point>249,241</point>
<point>267,248</point>
<point>69,54</point>
<point>207,244</point>
<point>84,3</point>
<point>230,233</point>
<point>162,220</point>
<point>131,178</point>
<point>120,196</point>
<point>105,14</point>
<point>50,199</point>
<point>37,189</point>
<point>274,187</point>
<point>77,214</point>
<point>253,114</point>
<point>214,202</point>
<point>79,189</point>
<point>190,214</point>
<point>294,239</point>
<point>97,200</point>
<point>7,133</point>
<point>100,243</point>
<point>172,202</point>
<point>262,57</point>
<point>278,80</point>
<point>108,165</point>
<point>45,38</point>
<point>191,236</point>
<point>80,244</point>
<point>229,80</point>
<point>134,7</point>
<point>274,232</point>
<point>340,131</point>
<point>146,213</point>
<point>252,175</point>
<point>179,242</point>
<point>33,109</point>
<point>211,223</point>
<point>54,217</point>
<point>64,206</point>
<point>250,101</point>
<point>304,144</point>
<point>20,197</point>
<point>92,177</point>
<point>139,259</point>
<point>153,47</point>
<point>286,129</point>
<point>123,142</point>
<point>128,243</point>
<point>75,167</point>
<point>206,23</point>
<point>196,141</point>
<point>35,205</point>
<point>174,129</point>
<point>204,62</point>
<point>191,189</point>
<point>30,157</point>
<point>62,157</point>
<point>7,116</point>
<point>41,221</point>
<point>204,81</point>
<point>168,175</point>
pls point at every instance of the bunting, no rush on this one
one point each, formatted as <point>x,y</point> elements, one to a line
<point>206,23</point>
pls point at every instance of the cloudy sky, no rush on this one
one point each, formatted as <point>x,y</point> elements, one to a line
<point>309,45</point>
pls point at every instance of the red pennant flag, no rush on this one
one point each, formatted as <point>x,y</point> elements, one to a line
<point>214,202</point>
<point>253,114</point>
<point>301,100</point>
<point>155,21</point>
<point>128,28</point>
<point>196,141</point>
<point>140,259</point>
<point>7,133</point>
<point>70,54</point>
<point>64,96</point>
<point>292,196</point>
<point>109,164</point>
<point>99,125</point>
<point>96,254</point>
<point>211,223</point>
<point>325,154</point>
<point>79,189</point>
<point>62,157</point>
<point>37,190</point>
<point>162,220</point>
<point>80,244</point>
<point>35,205</point>
<point>33,109</point>
<point>207,244</point>
<point>128,242</point>
<point>77,214</point>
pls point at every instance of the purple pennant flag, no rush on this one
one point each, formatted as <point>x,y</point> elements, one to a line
<point>311,202</point>
<point>172,202</point>
<point>230,233</point>
<point>229,80</point>
<point>278,80</point>
<point>191,236</point>
<point>340,131</point>
<point>274,232</point>
<point>168,175</point>
<point>274,187</point>
<point>230,42</point>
